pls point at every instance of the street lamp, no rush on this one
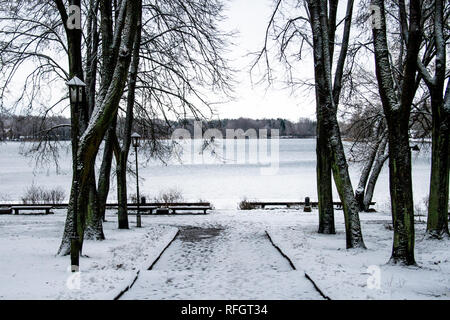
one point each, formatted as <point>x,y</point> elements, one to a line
<point>76,87</point>
<point>135,137</point>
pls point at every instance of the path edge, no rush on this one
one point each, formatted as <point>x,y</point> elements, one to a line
<point>295,268</point>
<point>135,278</point>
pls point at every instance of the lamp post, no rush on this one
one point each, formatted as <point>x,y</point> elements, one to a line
<point>135,137</point>
<point>76,87</point>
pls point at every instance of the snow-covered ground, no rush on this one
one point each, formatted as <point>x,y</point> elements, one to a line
<point>223,255</point>
<point>236,260</point>
<point>365,274</point>
<point>30,269</point>
<point>223,261</point>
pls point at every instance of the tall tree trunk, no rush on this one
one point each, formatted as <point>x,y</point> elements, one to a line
<point>124,151</point>
<point>437,222</point>
<point>324,182</point>
<point>328,96</point>
<point>345,189</point>
<point>105,111</point>
<point>75,58</point>
<point>377,167</point>
<point>94,220</point>
<point>122,191</point>
<point>365,174</point>
<point>64,247</point>
<point>105,172</point>
<point>401,192</point>
<point>397,111</point>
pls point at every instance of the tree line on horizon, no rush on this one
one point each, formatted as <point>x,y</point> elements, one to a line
<point>57,128</point>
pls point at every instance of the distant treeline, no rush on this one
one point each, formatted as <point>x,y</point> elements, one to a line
<point>302,129</point>
<point>31,128</point>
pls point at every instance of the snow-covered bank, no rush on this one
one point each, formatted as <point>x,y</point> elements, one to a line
<point>365,274</point>
<point>29,268</point>
<point>237,263</point>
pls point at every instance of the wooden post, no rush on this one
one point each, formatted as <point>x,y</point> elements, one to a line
<point>307,207</point>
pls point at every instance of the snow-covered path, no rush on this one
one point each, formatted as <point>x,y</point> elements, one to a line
<point>223,261</point>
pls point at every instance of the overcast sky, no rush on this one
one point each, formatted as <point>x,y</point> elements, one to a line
<point>250,18</point>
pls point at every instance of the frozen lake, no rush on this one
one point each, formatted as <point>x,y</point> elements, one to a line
<point>219,179</point>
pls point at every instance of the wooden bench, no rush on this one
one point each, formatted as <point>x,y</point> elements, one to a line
<point>47,209</point>
<point>152,208</point>
<point>174,209</point>
<point>5,210</point>
<point>143,208</point>
<point>263,205</point>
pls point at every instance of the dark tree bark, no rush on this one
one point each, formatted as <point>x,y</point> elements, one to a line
<point>397,111</point>
<point>381,158</point>
<point>125,149</point>
<point>74,38</point>
<point>365,174</point>
<point>94,221</point>
<point>105,172</point>
<point>122,196</point>
<point>324,180</point>
<point>104,112</point>
<point>323,152</point>
<point>437,222</point>
<point>327,97</point>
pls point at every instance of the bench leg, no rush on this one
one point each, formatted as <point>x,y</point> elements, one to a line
<point>16,211</point>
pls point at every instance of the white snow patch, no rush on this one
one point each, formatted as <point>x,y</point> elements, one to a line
<point>30,269</point>
<point>349,274</point>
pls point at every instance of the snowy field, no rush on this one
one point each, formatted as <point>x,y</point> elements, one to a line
<point>30,269</point>
<point>217,180</point>
<point>224,255</point>
<point>365,274</point>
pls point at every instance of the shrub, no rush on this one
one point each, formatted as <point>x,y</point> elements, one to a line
<point>169,196</point>
<point>4,197</point>
<point>35,195</point>
<point>245,205</point>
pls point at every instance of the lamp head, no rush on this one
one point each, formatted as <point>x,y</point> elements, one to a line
<point>76,89</point>
<point>135,137</point>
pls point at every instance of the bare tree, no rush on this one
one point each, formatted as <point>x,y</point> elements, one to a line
<point>435,52</point>
<point>181,53</point>
<point>178,55</point>
<point>322,18</point>
<point>397,101</point>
